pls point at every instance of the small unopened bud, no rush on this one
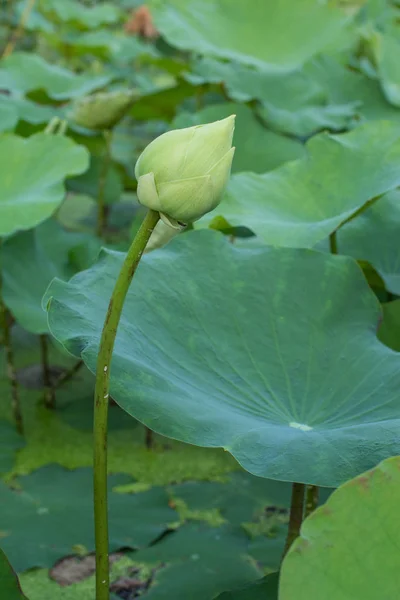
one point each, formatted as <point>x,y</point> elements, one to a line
<point>103,110</point>
<point>183,173</point>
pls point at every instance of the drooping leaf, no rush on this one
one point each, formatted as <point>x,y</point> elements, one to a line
<point>9,584</point>
<point>349,547</point>
<point>302,202</point>
<point>53,514</point>
<point>277,37</point>
<point>23,72</point>
<point>31,259</point>
<point>32,172</point>
<point>373,236</point>
<point>240,353</point>
<point>257,148</point>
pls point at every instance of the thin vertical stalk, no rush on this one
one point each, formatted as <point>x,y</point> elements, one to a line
<point>101,399</point>
<point>296,514</point>
<point>20,28</point>
<point>49,392</point>
<point>102,208</point>
<point>149,438</point>
<point>9,356</point>
<point>312,495</point>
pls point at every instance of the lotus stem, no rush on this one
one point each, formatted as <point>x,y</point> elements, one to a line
<point>102,208</point>
<point>49,392</point>
<point>10,365</point>
<point>102,390</point>
<point>296,514</point>
<point>20,28</point>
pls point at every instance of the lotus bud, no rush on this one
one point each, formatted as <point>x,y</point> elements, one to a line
<point>103,110</point>
<point>183,173</point>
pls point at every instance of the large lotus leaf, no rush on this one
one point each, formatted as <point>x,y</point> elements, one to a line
<point>226,346</point>
<point>265,589</point>
<point>54,513</point>
<point>302,202</point>
<point>349,548</point>
<point>31,259</point>
<point>9,584</point>
<point>389,330</point>
<point>374,236</point>
<point>198,562</point>
<point>32,172</point>
<point>274,36</point>
<point>85,17</point>
<point>292,102</point>
<point>257,148</point>
<point>10,442</point>
<point>23,72</point>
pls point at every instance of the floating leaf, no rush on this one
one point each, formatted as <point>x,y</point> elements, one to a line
<point>302,202</point>
<point>31,259</point>
<point>54,513</point>
<point>241,354</point>
<point>198,563</point>
<point>349,547</point>
<point>32,172</point>
<point>277,37</point>
<point>373,236</point>
<point>265,589</point>
<point>10,588</point>
<point>23,72</point>
<point>257,148</point>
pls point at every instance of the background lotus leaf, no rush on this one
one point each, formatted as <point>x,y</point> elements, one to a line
<point>302,202</point>
<point>32,172</point>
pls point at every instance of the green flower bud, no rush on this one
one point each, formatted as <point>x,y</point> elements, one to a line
<point>102,110</point>
<point>183,173</point>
